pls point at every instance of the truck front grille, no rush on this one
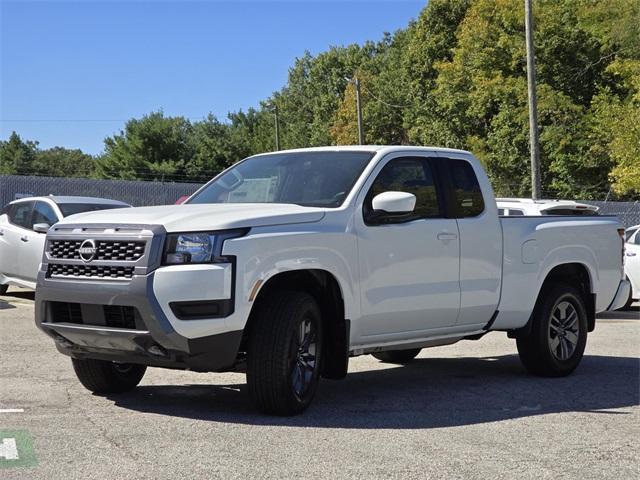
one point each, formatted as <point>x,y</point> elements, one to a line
<point>126,251</point>
<point>89,271</point>
<point>114,316</point>
<point>63,312</point>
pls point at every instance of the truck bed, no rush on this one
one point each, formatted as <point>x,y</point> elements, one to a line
<point>533,245</point>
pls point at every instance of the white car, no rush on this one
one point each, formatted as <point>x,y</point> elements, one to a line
<point>23,225</point>
<point>528,207</point>
<point>288,263</point>
<point>632,262</point>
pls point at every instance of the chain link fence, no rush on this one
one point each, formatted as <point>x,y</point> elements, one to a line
<point>139,193</point>
<point>136,193</point>
<point>627,212</point>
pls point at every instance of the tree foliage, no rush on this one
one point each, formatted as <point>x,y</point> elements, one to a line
<point>19,157</point>
<point>455,77</point>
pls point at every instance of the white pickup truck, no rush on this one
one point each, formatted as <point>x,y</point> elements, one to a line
<point>288,263</point>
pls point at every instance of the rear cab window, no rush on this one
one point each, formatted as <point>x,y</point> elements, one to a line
<point>465,195</point>
<point>569,212</point>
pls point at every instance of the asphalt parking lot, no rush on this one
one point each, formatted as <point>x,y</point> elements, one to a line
<point>467,411</point>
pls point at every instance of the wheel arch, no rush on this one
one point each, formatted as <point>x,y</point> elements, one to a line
<point>325,288</point>
<point>575,274</point>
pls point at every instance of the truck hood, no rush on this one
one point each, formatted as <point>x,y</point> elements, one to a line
<point>212,216</point>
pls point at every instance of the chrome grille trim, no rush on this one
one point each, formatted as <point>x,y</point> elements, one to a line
<point>124,250</point>
<point>90,271</point>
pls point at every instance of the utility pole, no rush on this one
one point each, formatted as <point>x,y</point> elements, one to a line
<point>533,102</point>
<point>275,112</point>
<point>359,109</point>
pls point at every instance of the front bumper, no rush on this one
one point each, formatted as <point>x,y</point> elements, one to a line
<point>159,338</point>
<point>622,295</point>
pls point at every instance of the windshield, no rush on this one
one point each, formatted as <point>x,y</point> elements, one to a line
<point>73,208</point>
<point>318,179</point>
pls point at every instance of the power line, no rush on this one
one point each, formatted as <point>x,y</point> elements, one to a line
<point>392,105</point>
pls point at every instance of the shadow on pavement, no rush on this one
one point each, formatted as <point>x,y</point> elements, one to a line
<point>5,305</point>
<point>632,313</point>
<point>19,295</point>
<point>22,294</point>
<point>428,393</point>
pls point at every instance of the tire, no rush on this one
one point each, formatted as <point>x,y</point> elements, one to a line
<point>3,289</point>
<point>556,343</point>
<point>285,349</point>
<point>101,377</point>
<point>397,356</point>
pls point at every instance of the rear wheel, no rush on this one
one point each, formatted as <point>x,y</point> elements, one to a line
<point>285,348</point>
<point>3,289</point>
<point>100,376</point>
<point>397,356</point>
<point>558,334</point>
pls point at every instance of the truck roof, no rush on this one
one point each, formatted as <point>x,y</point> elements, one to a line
<point>62,199</point>
<point>370,148</point>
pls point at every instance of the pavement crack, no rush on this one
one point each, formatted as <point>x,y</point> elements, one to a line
<point>102,431</point>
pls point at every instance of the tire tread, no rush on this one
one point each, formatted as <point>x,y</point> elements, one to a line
<point>99,376</point>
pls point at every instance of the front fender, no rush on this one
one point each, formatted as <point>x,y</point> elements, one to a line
<point>262,255</point>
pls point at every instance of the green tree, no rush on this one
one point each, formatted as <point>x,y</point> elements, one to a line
<point>64,162</point>
<point>154,147</point>
<point>17,157</point>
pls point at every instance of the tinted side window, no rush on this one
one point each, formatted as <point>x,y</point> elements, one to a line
<point>410,175</point>
<point>628,234</point>
<point>20,214</point>
<point>43,213</point>
<point>466,195</point>
<point>516,213</point>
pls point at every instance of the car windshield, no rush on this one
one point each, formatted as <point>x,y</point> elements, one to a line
<point>319,179</point>
<point>73,208</point>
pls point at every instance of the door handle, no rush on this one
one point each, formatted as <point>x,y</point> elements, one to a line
<point>631,254</point>
<point>444,236</point>
<point>1,233</point>
<point>24,239</point>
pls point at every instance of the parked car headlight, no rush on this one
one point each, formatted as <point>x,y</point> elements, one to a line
<point>196,247</point>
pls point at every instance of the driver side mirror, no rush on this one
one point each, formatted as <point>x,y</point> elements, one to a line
<point>392,207</point>
<point>41,227</point>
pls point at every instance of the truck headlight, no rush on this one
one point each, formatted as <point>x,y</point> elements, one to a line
<point>197,247</point>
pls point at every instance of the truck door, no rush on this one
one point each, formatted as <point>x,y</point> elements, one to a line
<point>408,267</point>
<point>475,211</point>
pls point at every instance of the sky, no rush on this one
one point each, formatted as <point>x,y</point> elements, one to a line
<point>72,73</point>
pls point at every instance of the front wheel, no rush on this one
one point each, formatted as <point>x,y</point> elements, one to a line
<point>558,336</point>
<point>285,348</point>
<point>3,289</point>
<point>103,377</point>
